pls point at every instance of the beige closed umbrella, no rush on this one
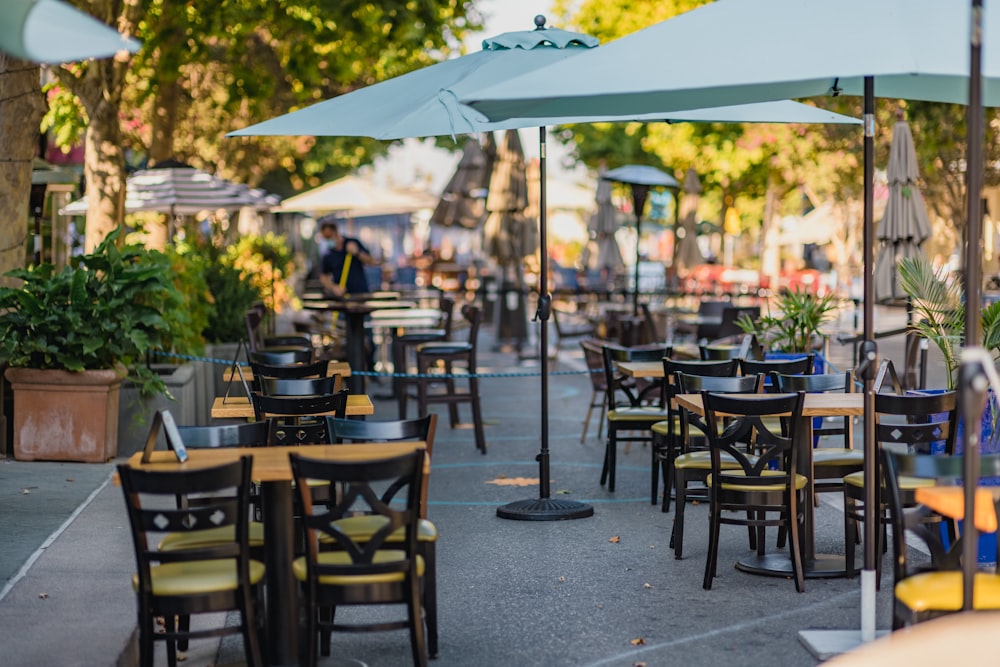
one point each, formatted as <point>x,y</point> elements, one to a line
<point>687,254</point>
<point>463,201</point>
<point>905,225</point>
<point>602,252</point>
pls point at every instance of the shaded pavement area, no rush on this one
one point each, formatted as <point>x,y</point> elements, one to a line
<point>604,590</point>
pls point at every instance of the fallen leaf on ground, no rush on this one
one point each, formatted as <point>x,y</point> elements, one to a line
<point>616,539</point>
<point>638,664</point>
<point>25,492</point>
<point>514,481</point>
<point>43,596</point>
<point>70,479</point>
<point>647,585</point>
<point>563,492</point>
<point>638,641</point>
<point>562,578</point>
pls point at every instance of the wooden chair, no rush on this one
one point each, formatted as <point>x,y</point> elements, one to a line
<point>274,386</point>
<point>352,430</point>
<point>216,578</point>
<point>409,340</point>
<point>280,357</point>
<point>922,592</point>
<point>256,341</point>
<point>752,486</point>
<point>339,569</point>
<point>915,422</point>
<point>629,416</point>
<point>296,419</point>
<point>694,464</point>
<point>667,433</point>
<point>448,354</point>
<point>569,326</point>
<point>594,358</point>
<point>290,371</point>
<point>802,366</point>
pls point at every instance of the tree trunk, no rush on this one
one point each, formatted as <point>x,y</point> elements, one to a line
<point>104,166</point>
<point>21,108</point>
<point>164,120</point>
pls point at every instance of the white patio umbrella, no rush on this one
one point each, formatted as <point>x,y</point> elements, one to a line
<point>781,49</point>
<point>52,32</point>
<point>426,103</point>
<point>358,197</point>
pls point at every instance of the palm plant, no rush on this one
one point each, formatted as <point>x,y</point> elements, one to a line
<point>796,326</point>
<point>939,309</point>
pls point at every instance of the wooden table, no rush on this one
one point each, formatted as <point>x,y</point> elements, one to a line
<point>815,566</point>
<point>651,370</point>
<point>355,311</point>
<point>950,501</point>
<point>272,469</point>
<point>341,368</point>
<point>239,407</point>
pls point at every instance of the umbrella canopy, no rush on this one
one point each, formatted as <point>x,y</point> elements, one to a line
<point>905,225</point>
<point>774,49</point>
<point>183,191</point>
<point>356,196</point>
<point>640,178</point>
<point>687,254</point>
<point>52,32</point>
<point>510,234</point>
<point>603,251</point>
<point>463,202</point>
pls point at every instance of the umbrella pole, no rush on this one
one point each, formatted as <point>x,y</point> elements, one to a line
<point>543,508</point>
<point>974,183</point>
<point>639,193</point>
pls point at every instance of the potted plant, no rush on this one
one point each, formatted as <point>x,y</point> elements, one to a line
<point>792,323</point>
<point>70,337</point>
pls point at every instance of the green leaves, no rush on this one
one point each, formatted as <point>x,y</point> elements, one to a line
<point>800,315</point>
<point>938,307</point>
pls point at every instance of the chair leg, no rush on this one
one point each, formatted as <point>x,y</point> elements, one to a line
<point>183,625</point>
<point>422,391</point>
<point>850,534</point>
<point>654,470</point>
<point>477,415</point>
<point>757,532</point>
<point>145,641</point>
<point>430,597</point>
<point>310,639</point>
<point>325,633</point>
<point>586,420</point>
<point>600,419</point>
<point>450,388</point>
<point>677,542</point>
<point>170,625</point>
<point>416,623</point>
<point>713,547</point>
<point>612,458</point>
<point>605,468</point>
<point>794,547</point>
<point>251,643</point>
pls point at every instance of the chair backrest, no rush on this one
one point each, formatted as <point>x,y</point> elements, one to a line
<point>362,486</point>
<point>800,366</point>
<point>299,406</point>
<point>354,430</point>
<point>720,352</point>
<point>594,358</point>
<point>710,330</point>
<point>288,371</point>
<point>746,428</point>
<point>280,358</point>
<point>271,386</point>
<point>373,276</point>
<point>722,368</point>
<point>447,306</point>
<point>406,276</point>
<point>252,434</point>
<point>920,522</point>
<point>252,319</point>
<point>474,317</point>
<point>156,502</point>
<point>650,331</point>
<point>821,383</point>
<point>917,421</point>
<point>738,384</point>
<point>730,315</point>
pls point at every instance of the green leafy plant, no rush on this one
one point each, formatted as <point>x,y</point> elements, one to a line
<point>267,263</point>
<point>796,325</point>
<point>103,310</point>
<point>939,311</point>
<point>228,293</point>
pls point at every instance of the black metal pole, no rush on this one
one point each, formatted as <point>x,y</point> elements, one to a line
<point>867,363</point>
<point>974,182</point>
<point>639,194</point>
<point>544,508</point>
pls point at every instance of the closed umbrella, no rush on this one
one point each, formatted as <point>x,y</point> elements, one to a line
<point>427,103</point>
<point>53,32</point>
<point>905,225</point>
<point>687,254</point>
<point>463,201</point>
<point>603,252</point>
<point>640,178</point>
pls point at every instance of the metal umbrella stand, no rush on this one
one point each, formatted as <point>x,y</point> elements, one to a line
<point>640,178</point>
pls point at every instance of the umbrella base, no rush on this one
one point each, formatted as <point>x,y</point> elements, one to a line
<point>544,509</point>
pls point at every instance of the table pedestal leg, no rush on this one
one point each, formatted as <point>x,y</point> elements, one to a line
<point>282,598</point>
<point>356,356</point>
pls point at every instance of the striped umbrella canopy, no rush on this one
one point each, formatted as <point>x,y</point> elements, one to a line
<point>905,225</point>
<point>183,190</point>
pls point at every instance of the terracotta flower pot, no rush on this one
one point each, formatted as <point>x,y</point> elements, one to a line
<point>65,416</point>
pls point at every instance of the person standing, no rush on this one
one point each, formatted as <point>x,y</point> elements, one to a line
<point>343,263</point>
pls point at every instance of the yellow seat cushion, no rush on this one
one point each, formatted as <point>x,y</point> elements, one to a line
<point>637,414</point>
<point>942,591</point>
<point>906,483</point>
<point>198,577</point>
<point>663,427</point>
<point>361,528</point>
<point>197,539</point>
<point>343,558</point>
<point>833,456</point>
<point>703,461</point>
<point>800,482</point>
